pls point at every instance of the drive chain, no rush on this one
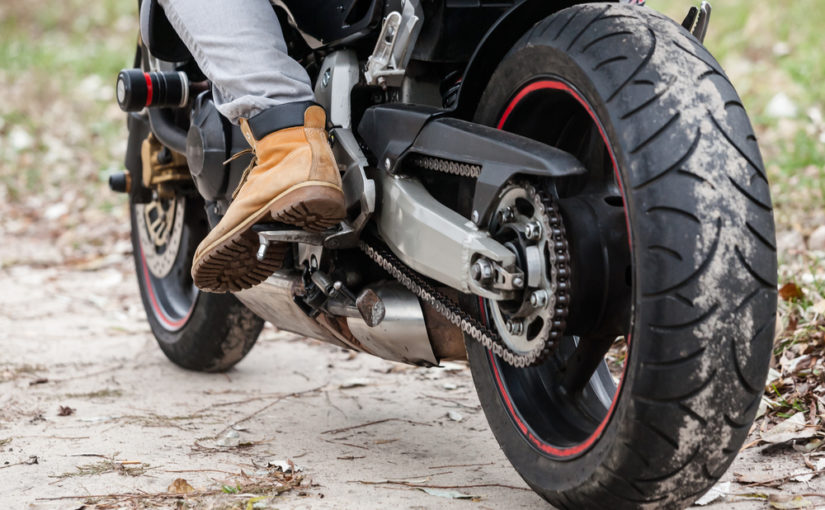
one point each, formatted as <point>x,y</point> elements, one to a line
<point>463,320</point>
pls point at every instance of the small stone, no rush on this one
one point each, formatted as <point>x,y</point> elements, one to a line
<point>781,49</point>
<point>455,416</point>
<point>231,439</point>
<point>816,241</point>
<point>790,241</point>
<point>815,114</point>
<point>19,139</point>
<point>781,107</point>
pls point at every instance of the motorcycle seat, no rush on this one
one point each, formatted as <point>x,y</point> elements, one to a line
<point>159,36</point>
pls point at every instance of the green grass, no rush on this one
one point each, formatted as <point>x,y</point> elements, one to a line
<point>71,38</point>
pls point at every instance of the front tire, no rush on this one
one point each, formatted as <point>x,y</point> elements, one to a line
<point>635,96</point>
<point>195,330</point>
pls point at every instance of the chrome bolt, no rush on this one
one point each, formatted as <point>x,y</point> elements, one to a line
<point>482,271</point>
<point>336,289</point>
<point>261,255</point>
<point>387,164</point>
<point>515,327</point>
<point>474,217</point>
<point>518,282</point>
<point>326,77</point>
<point>532,230</point>
<point>313,262</point>
<point>507,215</point>
<point>539,298</point>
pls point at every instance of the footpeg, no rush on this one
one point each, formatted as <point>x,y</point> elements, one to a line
<point>697,21</point>
<point>268,234</point>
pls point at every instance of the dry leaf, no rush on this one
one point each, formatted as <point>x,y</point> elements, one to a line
<point>358,382</point>
<point>790,291</point>
<point>788,502</point>
<point>792,428</point>
<point>64,411</point>
<point>441,493</point>
<point>180,486</point>
<point>719,490</point>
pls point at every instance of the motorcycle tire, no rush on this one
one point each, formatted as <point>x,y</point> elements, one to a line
<point>702,278</point>
<point>195,330</point>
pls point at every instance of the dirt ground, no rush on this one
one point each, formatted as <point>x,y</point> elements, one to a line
<point>364,431</point>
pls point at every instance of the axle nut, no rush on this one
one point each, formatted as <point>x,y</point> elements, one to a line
<point>532,231</point>
<point>482,271</point>
<point>507,215</point>
<point>539,298</point>
<point>515,327</point>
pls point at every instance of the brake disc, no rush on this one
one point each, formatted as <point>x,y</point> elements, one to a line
<point>160,227</point>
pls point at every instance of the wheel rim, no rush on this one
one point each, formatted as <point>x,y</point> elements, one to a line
<point>163,261</point>
<point>557,422</point>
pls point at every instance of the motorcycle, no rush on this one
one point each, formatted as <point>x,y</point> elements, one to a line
<point>568,195</point>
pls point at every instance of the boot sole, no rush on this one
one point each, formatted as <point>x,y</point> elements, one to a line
<point>230,264</point>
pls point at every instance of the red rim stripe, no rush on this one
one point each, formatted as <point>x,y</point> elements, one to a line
<point>538,442</point>
<point>173,325</point>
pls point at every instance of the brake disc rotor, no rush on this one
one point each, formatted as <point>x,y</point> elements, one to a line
<point>521,223</point>
<point>160,226</point>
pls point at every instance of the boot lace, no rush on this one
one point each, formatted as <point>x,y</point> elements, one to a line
<point>246,171</point>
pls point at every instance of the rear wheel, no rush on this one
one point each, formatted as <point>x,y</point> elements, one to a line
<point>196,330</point>
<point>649,395</point>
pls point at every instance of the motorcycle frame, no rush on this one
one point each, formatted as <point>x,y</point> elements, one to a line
<point>416,219</point>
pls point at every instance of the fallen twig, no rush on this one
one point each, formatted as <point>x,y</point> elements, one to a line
<point>198,471</point>
<point>427,486</point>
<point>785,478</point>
<point>346,444</point>
<point>368,424</point>
<point>461,465</point>
<point>264,408</point>
<point>453,401</point>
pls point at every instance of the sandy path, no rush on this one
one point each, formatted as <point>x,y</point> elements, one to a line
<point>85,334</point>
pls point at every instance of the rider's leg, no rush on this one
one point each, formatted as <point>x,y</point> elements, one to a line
<point>239,45</point>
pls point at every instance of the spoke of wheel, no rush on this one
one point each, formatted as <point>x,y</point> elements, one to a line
<point>583,362</point>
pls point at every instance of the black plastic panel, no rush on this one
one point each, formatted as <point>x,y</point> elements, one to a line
<point>333,21</point>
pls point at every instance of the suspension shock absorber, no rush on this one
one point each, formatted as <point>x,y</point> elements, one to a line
<point>137,89</point>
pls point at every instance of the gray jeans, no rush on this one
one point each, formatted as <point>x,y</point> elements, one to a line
<point>240,47</point>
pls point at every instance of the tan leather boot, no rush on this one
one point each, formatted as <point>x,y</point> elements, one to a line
<point>294,180</point>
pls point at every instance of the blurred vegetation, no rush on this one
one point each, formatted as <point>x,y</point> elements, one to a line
<point>768,48</point>
<point>59,127</point>
<point>61,133</point>
<point>58,121</point>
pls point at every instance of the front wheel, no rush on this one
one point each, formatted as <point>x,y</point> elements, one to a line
<point>648,397</point>
<point>195,330</point>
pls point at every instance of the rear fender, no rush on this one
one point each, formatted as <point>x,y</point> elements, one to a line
<point>495,45</point>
